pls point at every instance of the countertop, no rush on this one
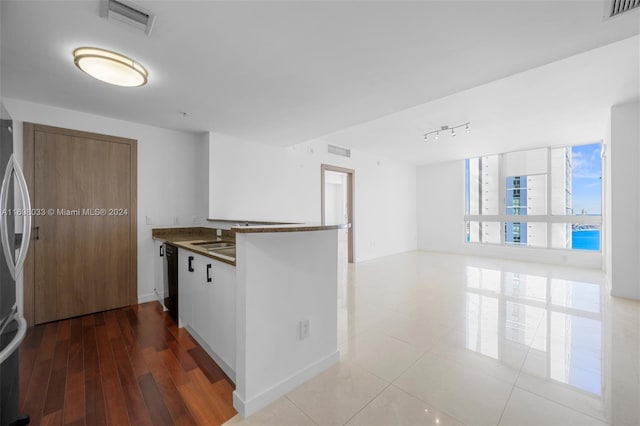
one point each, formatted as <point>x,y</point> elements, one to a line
<point>293,227</point>
<point>254,226</point>
<point>187,238</point>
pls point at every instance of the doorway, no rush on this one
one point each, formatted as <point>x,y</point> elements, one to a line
<point>337,205</point>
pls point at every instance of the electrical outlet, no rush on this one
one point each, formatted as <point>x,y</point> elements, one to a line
<point>149,220</point>
<point>304,329</point>
<point>176,220</point>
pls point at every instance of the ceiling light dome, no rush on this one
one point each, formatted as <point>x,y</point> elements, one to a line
<point>110,67</point>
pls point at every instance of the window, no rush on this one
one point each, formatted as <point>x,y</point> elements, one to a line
<point>512,233</point>
<point>556,194</point>
<point>482,185</point>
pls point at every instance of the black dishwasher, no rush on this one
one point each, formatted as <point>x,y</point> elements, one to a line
<point>171,283</point>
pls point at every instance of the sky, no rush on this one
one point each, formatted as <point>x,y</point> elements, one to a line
<point>587,178</point>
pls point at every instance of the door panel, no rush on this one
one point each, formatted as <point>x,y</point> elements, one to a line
<point>82,255</point>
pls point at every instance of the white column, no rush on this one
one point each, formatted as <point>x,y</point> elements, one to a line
<point>624,186</point>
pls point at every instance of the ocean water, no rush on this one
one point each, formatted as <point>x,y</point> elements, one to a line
<point>586,240</point>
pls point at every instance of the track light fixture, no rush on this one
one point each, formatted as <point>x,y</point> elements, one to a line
<point>445,128</point>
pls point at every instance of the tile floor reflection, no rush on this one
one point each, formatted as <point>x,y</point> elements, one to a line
<point>429,338</point>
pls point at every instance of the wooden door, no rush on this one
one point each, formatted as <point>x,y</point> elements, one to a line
<point>84,247</point>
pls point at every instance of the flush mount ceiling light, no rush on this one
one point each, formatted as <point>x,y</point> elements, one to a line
<point>445,128</point>
<point>110,67</point>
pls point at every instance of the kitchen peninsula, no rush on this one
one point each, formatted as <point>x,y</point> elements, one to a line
<point>262,301</point>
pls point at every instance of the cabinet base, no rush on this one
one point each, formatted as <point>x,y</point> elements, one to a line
<point>230,372</point>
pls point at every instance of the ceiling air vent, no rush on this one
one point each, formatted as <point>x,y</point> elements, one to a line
<point>621,6</point>
<point>332,149</point>
<point>129,13</point>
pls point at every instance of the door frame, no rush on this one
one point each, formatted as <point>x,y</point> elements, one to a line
<point>350,202</point>
<point>29,131</point>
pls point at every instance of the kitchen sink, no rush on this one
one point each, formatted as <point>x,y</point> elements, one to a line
<point>215,245</point>
<point>225,251</point>
<point>223,248</point>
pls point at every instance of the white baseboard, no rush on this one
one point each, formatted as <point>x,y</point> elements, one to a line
<point>223,365</point>
<point>160,299</point>
<point>149,297</point>
<point>247,408</point>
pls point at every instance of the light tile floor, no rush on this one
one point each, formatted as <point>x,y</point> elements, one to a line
<point>435,339</point>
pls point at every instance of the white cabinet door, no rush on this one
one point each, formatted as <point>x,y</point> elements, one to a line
<point>201,306</point>
<point>158,270</point>
<point>207,302</point>
<point>220,327</point>
<point>187,288</point>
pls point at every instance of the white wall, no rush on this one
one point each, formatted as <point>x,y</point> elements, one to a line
<point>251,181</point>
<point>172,172</point>
<point>440,206</point>
<point>606,206</point>
<point>283,278</point>
<point>624,187</point>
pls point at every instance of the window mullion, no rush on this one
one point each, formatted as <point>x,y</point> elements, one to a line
<point>549,210</point>
<point>502,196</point>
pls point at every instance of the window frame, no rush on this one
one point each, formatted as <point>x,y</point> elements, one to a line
<point>547,218</point>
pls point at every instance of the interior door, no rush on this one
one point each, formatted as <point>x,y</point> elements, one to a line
<point>337,205</point>
<point>84,245</point>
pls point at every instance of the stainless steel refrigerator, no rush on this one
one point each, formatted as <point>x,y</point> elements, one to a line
<point>15,210</point>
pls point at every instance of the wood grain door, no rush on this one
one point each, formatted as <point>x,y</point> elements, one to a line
<point>84,247</point>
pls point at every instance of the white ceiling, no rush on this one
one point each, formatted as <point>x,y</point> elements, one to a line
<point>285,72</point>
<point>563,103</point>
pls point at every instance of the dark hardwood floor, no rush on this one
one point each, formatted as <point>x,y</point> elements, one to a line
<point>129,366</point>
